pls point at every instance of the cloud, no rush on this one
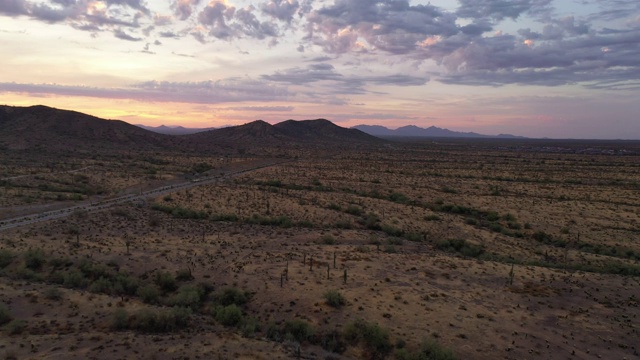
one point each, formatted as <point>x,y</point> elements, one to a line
<point>262,108</point>
<point>391,26</point>
<point>283,10</point>
<point>338,83</point>
<point>204,92</point>
<point>124,36</point>
<point>184,8</point>
<point>501,9</point>
<point>226,22</point>
<point>14,7</point>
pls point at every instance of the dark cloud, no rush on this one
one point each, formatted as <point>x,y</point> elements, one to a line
<point>184,8</point>
<point>226,22</point>
<point>263,108</point>
<point>283,10</point>
<point>338,83</point>
<point>205,92</point>
<point>14,7</point>
<point>393,26</point>
<point>124,36</point>
<point>500,9</point>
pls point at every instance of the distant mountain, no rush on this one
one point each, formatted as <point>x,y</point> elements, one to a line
<point>290,132</point>
<point>42,127</point>
<point>49,129</point>
<point>173,130</point>
<point>432,131</point>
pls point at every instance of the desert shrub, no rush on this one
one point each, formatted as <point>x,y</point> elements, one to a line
<point>328,240</point>
<point>334,298</point>
<point>414,237</point>
<point>249,326</point>
<point>5,315</point>
<point>53,294</point>
<point>188,296</point>
<point>120,319</point>
<point>15,327</point>
<point>429,350</point>
<point>298,330</point>
<point>184,275</point>
<point>334,206</point>
<point>6,258</point>
<point>59,263</point>
<point>371,222</point>
<point>354,210</point>
<point>230,315</point>
<point>344,224</point>
<point>75,279</point>
<point>231,296</point>
<point>102,285</point>
<point>125,284</point>
<point>225,217</point>
<point>461,246</point>
<point>165,281</point>
<point>165,320</point>
<point>305,224</point>
<point>471,221</point>
<point>398,198</point>
<point>392,230</point>
<point>371,336</point>
<point>34,259</point>
<point>432,218</point>
<point>149,294</point>
<point>332,341</point>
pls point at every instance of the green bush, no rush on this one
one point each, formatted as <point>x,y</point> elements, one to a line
<point>184,275</point>
<point>159,321</point>
<point>429,350</point>
<point>334,298</point>
<point>120,319</point>
<point>188,296</point>
<point>53,294</point>
<point>34,259</point>
<point>370,335</point>
<point>354,210</point>
<point>231,296</point>
<point>16,327</point>
<point>5,315</point>
<point>230,315</point>
<point>461,246</point>
<point>125,284</point>
<point>102,285</point>
<point>75,279</point>
<point>328,240</point>
<point>298,330</point>
<point>165,281</point>
<point>6,258</point>
<point>149,294</point>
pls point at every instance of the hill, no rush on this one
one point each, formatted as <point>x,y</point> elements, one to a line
<point>287,133</point>
<point>45,128</point>
<point>173,130</point>
<point>42,127</point>
<point>432,131</point>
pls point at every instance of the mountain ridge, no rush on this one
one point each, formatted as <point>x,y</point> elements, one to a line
<point>431,131</point>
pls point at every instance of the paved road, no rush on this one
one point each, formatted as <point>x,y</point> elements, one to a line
<point>91,206</point>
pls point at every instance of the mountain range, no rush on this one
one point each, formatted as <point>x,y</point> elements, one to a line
<point>432,131</point>
<point>45,128</point>
<point>173,130</point>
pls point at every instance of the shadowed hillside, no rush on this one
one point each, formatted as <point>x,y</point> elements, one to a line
<point>44,128</point>
<point>41,127</point>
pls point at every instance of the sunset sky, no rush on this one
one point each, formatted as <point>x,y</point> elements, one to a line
<point>538,68</point>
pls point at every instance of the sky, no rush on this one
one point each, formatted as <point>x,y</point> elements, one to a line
<point>536,68</point>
